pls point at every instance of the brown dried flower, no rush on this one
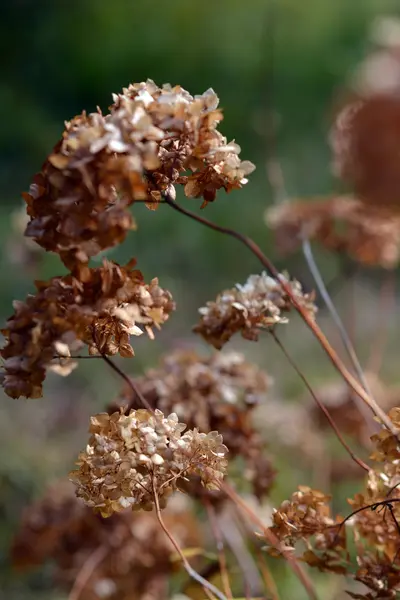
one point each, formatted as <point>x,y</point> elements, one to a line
<point>131,458</point>
<point>102,312</point>
<point>135,556</point>
<point>341,224</point>
<point>258,304</point>
<point>365,144</point>
<point>217,392</point>
<point>149,140</point>
<point>304,515</point>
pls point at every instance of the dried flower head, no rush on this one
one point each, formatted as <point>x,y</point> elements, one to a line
<point>304,515</point>
<point>102,312</point>
<point>147,143</point>
<point>386,443</point>
<point>365,144</point>
<point>378,573</point>
<point>217,392</point>
<point>258,304</point>
<point>135,556</point>
<point>132,458</point>
<point>342,224</point>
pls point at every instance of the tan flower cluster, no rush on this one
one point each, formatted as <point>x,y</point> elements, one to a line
<point>304,515</point>
<point>135,558</point>
<point>341,224</point>
<point>366,131</point>
<point>217,392</point>
<point>132,458</point>
<point>378,572</point>
<point>102,312</point>
<point>377,526</point>
<point>147,143</point>
<point>365,144</point>
<point>373,526</point>
<point>387,445</point>
<point>258,304</point>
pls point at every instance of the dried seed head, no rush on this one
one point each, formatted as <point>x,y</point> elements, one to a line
<point>131,458</point>
<point>258,304</point>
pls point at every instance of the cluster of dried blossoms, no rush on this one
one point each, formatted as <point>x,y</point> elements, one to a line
<point>130,555</point>
<point>372,528</point>
<point>139,459</point>
<point>365,136</point>
<point>102,312</point>
<point>151,139</point>
<point>341,224</point>
<point>261,303</point>
<point>217,392</point>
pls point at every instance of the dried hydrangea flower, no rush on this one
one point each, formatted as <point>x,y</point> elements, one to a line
<point>130,458</point>
<point>304,515</point>
<point>137,555</point>
<point>103,312</point>
<point>148,142</point>
<point>217,392</point>
<point>365,143</point>
<point>258,304</point>
<point>341,224</point>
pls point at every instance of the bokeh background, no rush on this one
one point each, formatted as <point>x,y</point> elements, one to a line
<point>278,67</point>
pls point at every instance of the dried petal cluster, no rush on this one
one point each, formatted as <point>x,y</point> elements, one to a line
<point>258,304</point>
<point>136,557</point>
<point>304,515</point>
<point>341,224</point>
<point>365,134</point>
<point>151,139</point>
<point>373,527</point>
<point>217,392</point>
<point>101,312</point>
<point>132,458</point>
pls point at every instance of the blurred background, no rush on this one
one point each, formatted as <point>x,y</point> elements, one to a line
<point>278,68</point>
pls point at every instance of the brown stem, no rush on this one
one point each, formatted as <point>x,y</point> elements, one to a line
<point>345,337</point>
<point>190,571</point>
<point>129,381</point>
<point>332,423</point>
<point>220,549</point>
<point>272,539</point>
<point>307,318</point>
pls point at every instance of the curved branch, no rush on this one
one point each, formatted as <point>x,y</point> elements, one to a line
<point>307,318</point>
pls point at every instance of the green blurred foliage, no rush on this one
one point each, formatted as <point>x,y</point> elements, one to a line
<point>279,59</point>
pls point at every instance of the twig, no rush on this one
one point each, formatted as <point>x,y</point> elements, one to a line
<point>190,571</point>
<point>334,358</point>
<point>236,538</point>
<point>315,272</point>
<point>269,581</point>
<point>129,381</point>
<point>272,539</point>
<point>220,549</point>
<point>87,569</point>
<point>332,423</point>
